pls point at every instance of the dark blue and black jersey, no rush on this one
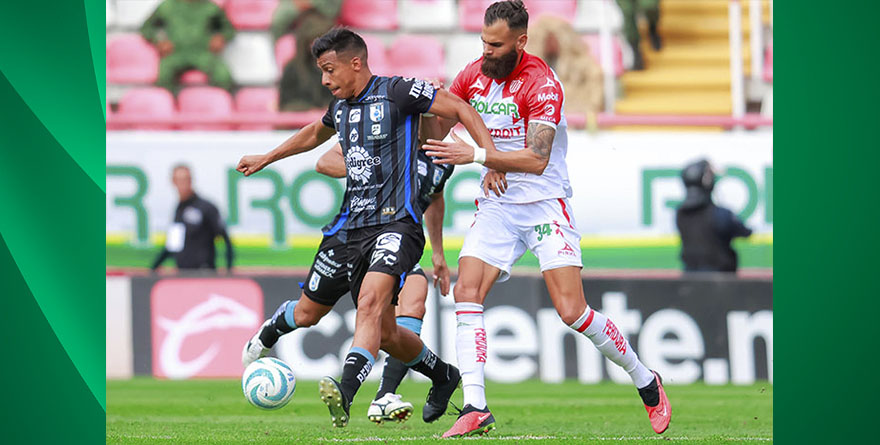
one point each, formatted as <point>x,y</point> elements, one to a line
<point>379,134</point>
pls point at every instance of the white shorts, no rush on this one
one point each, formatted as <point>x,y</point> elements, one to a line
<point>502,232</point>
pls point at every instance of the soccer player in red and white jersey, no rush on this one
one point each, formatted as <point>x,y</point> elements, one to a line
<point>521,101</point>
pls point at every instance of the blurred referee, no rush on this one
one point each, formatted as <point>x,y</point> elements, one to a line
<point>197,223</point>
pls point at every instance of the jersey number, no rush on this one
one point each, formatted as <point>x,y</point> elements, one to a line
<point>543,230</point>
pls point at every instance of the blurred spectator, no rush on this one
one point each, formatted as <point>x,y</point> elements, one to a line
<point>300,86</point>
<point>706,229</point>
<point>190,34</point>
<point>630,10</point>
<point>554,40</point>
<point>197,223</point>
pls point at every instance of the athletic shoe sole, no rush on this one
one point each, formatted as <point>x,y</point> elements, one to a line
<point>399,415</point>
<point>332,397</point>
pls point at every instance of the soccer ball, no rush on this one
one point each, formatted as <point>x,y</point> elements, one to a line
<point>268,383</point>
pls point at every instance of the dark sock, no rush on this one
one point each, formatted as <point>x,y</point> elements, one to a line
<point>358,364</point>
<point>429,365</point>
<point>394,372</point>
<point>650,394</point>
<point>278,327</point>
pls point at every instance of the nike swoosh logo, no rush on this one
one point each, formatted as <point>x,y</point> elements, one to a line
<point>483,417</point>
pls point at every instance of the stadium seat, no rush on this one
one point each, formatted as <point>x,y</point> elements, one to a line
<point>193,77</point>
<point>461,49</point>
<point>210,102</point>
<point>588,16</point>
<point>131,59</point>
<point>377,56</point>
<point>250,14</point>
<point>471,12</point>
<point>147,102</point>
<point>285,50</point>
<point>593,41</point>
<point>768,63</point>
<point>417,56</point>
<point>369,14</point>
<point>426,15</point>
<point>131,14</point>
<point>251,59</point>
<point>256,101</point>
<point>565,9</point>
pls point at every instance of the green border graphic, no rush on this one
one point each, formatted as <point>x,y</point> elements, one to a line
<point>52,89</point>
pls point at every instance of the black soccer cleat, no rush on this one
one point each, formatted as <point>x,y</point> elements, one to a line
<point>332,396</point>
<point>439,395</point>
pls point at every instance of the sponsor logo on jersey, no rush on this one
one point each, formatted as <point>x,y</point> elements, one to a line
<point>354,116</point>
<point>515,85</point>
<point>567,250</point>
<point>507,133</point>
<point>548,96</point>
<point>421,88</point>
<point>502,108</point>
<point>377,112</point>
<point>314,282</point>
<point>375,97</point>
<point>359,204</point>
<point>438,176</point>
<point>353,136</point>
<point>376,129</point>
<point>615,336</point>
<point>338,115</point>
<point>360,164</point>
<point>480,344</point>
<point>389,241</point>
<point>550,83</point>
<point>423,168</point>
<point>389,210</point>
<point>549,109</point>
<point>478,84</point>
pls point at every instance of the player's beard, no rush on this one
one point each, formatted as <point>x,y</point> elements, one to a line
<point>499,67</point>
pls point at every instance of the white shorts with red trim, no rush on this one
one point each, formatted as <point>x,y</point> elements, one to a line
<point>502,232</point>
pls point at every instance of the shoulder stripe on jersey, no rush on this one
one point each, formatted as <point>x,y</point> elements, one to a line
<point>369,87</point>
<point>406,179</point>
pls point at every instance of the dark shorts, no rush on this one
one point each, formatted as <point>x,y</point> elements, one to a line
<point>394,249</point>
<point>328,281</point>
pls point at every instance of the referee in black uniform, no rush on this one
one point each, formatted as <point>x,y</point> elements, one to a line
<point>377,121</point>
<point>197,223</point>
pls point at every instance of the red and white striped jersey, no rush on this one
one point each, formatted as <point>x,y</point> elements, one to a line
<point>531,93</point>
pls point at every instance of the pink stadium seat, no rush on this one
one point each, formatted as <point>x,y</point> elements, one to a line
<point>203,102</point>
<point>561,8</point>
<point>768,63</point>
<point>471,12</point>
<point>369,14</point>
<point>131,59</point>
<point>250,14</point>
<point>147,102</point>
<point>592,40</point>
<point>377,56</point>
<point>256,101</point>
<point>417,56</point>
<point>285,49</point>
<point>194,77</point>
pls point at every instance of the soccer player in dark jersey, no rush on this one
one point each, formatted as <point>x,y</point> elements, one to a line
<point>377,120</point>
<point>327,282</point>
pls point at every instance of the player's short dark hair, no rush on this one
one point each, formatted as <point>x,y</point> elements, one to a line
<point>341,40</point>
<point>511,11</point>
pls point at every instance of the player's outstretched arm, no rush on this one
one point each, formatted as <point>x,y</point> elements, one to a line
<point>332,163</point>
<point>434,226</point>
<point>308,138</point>
<point>534,159</point>
<point>450,106</point>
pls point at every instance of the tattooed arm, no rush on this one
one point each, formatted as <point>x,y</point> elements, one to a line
<point>533,159</point>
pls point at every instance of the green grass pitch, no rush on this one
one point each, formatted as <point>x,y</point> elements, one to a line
<point>145,410</point>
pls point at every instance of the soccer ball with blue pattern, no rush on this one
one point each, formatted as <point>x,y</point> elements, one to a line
<point>268,383</point>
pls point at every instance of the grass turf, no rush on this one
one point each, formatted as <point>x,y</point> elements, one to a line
<point>145,410</point>
<point>640,257</point>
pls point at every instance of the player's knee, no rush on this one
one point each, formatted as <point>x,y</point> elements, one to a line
<point>465,293</point>
<point>370,303</point>
<point>569,313</point>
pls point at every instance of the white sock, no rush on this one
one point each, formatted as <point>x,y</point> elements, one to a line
<point>470,349</point>
<point>611,342</point>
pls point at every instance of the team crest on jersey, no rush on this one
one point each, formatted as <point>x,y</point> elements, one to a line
<point>438,176</point>
<point>515,85</point>
<point>314,282</point>
<point>377,112</point>
<point>354,116</point>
